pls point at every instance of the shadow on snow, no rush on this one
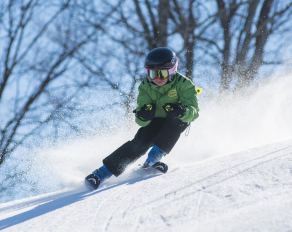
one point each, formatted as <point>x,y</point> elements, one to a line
<point>55,202</point>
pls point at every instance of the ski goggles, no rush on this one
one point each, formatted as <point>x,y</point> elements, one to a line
<point>160,73</point>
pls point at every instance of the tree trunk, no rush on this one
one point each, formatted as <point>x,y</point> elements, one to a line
<point>163,23</point>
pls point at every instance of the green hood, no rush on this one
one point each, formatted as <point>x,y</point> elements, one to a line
<point>180,91</point>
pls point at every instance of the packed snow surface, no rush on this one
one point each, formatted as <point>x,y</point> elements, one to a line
<point>246,191</point>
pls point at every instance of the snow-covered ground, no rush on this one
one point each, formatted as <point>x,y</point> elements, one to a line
<point>246,191</point>
<point>233,172</point>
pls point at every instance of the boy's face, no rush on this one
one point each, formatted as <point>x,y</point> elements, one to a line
<point>160,82</point>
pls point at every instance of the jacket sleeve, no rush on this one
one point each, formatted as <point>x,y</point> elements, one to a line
<point>188,96</point>
<point>143,98</point>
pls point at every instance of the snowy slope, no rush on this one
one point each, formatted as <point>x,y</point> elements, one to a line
<point>246,191</point>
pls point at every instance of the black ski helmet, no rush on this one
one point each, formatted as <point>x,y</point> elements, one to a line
<point>161,58</point>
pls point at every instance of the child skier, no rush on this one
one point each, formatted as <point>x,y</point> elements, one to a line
<point>167,103</point>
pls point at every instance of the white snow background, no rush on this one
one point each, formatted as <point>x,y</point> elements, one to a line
<point>233,172</point>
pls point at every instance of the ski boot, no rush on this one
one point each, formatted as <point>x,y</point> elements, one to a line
<point>98,176</point>
<point>153,160</point>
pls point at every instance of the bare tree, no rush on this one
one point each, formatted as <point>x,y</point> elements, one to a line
<point>187,18</point>
<point>35,83</point>
<point>246,27</point>
<point>154,28</point>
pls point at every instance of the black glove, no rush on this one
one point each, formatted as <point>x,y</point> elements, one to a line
<point>146,113</point>
<point>175,110</point>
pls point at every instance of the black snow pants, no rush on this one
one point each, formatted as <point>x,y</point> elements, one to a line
<point>162,132</point>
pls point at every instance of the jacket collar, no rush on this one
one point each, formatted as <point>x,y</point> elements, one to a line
<point>163,89</point>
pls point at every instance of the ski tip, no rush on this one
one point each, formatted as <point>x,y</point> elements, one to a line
<point>92,182</point>
<point>162,167</point>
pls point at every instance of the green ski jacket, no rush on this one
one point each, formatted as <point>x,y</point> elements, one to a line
<point>180,91</point>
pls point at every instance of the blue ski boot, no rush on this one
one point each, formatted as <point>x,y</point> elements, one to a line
<point>154,156</point>
<point>98,176</point>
